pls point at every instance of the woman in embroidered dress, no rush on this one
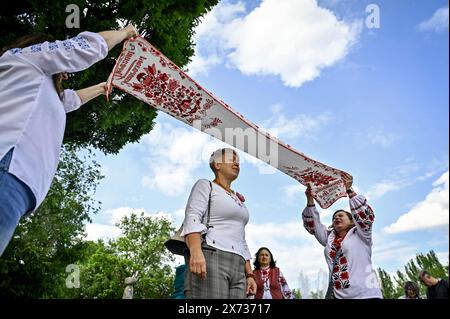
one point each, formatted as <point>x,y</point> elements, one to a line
<point>348,246</point>
<point>218,261</point>
<point>33,109</point>
<point>270,282</point>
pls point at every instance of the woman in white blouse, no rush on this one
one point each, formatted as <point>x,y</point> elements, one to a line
<point>348,247</point>
<point>33,109</point>
<point>218,261</point>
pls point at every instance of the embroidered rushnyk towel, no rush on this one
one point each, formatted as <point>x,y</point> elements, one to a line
<point>147,74</point>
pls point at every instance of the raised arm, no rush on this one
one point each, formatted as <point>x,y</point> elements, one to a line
<point>362,213</point>
<point>114,37</point>
<point>74,54</point>
<point>311,220</point>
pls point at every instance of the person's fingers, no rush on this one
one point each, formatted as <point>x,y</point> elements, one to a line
<point>203,270</point>
<point>132,31</point>
<point>253,289</point>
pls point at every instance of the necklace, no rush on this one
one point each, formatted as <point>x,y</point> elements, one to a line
<point>230,193</point>
<point>227,190</point>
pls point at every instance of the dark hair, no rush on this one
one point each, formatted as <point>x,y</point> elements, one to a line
<point>256,262</point>
<point>349,215</point>
<point>35,38</point>
<point>423,273</point>
<point>412,286</point>
<point>341,210</point>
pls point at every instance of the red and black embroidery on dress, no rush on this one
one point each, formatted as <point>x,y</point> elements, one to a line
<point>364,216</point>
<point>308,223</point>
<point>340,274</point>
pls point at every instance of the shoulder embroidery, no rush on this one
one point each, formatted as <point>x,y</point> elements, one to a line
<point>52,46</point>
<point>82,42</point>
<point>68,45</point>
<point>16,51</point>
<point>36,48</point>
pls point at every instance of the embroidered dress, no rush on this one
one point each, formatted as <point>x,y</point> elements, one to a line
<point>352,274</point>
<point>265,272</point>
<point>32,116</point>
<point>271,284</point>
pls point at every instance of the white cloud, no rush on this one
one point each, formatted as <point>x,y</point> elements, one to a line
<point>108,229</point>
<point>293,39</point>
<point>378,137</point>
<point>383,188</point>
<point>100,231</point>
<point>206,37</point>
<point>294,190</point>
<point>405,175</point>
<point>391,254</point>
<point>430,213</point>
<point>301,125</point>
<point>174,153</point>
<point>437,23</point>
<point>201,65</point>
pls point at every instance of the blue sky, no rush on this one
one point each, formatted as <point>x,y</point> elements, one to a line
<point>370,101</point>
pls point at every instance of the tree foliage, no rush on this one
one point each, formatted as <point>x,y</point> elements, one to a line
<point>167,24</point>
<point>139,252</point>
<point>297,293</point>
<point>46,241</point>
<point>387,285</point>
<point>318,294</point>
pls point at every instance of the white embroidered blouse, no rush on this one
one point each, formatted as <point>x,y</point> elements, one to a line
<point>32,116</point>
<point>228,217</point>
<point>352,274</point>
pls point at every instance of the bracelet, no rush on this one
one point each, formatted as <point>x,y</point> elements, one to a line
<point>313,205</point>
<point>250,275</point>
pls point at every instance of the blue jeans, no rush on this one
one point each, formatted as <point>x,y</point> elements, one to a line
<point>16,199</point>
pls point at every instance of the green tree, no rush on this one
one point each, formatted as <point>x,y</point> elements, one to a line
<point>139,252</point>
<point>318,294</point>
<point>45,242</point>
<point>167,24</point>
<point>387,285</point>
<point>297,293</point>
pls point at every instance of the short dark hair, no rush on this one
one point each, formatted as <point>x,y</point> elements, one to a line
<point>423,273</point>
<point>256,262</point>
<point>341,210</point>
<point>216,153</point>
<point>411,285</point>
